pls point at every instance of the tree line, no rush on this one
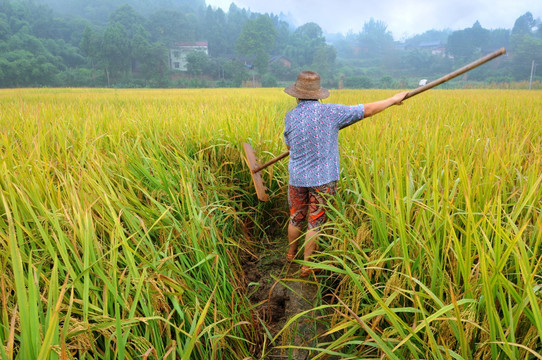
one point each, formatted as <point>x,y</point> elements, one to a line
<point>435,53</point>
<point>109,43</point>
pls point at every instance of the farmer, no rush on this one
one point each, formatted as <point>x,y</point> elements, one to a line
<point>311,133</point>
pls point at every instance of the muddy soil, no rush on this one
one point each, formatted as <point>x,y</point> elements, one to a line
<point>278,293</point>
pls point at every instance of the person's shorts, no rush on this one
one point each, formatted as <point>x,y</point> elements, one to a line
<point>311,201</point>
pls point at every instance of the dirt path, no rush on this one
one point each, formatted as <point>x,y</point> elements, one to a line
<point>278,294</point>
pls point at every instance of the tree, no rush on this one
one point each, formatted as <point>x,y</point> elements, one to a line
<point>524,24</point>
<point>358,82</point>
<point>282,38</point>
<point>69,55</point>
<point>256,39</point>
<point>498,38</point>
<point>304,42</point>
<point>282,72</point>
<point>310,31</point>
<point>20,68</point>
<point>197,63</point>
<point>168,26</point>
<point>429,36</point>
<point>214,31</point>
<point>324,61</point>
<point>130,19</point>
<point>234,72</point>
<point>235,20</point>
<point>4,27</point>
<point>115,50</point>
<point>90,45</point>
<point>418,61</point>
<point>376,38</point>
<point>466,45</point>
<point>525,49</point>
<point>147,57</point>
<point>525,46</point>
<point>23,68</point>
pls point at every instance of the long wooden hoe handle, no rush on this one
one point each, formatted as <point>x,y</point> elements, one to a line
<point>414,92</point>
<point>456,73</point>
<point>271,162</point>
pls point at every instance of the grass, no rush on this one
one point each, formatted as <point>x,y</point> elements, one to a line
<point>124,215</point>
<point>120,198</point>
<point>441,219</point>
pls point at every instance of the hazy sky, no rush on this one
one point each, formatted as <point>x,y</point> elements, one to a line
<point>403,17</point>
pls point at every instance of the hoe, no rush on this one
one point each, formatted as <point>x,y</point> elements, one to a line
<point>256,168</point>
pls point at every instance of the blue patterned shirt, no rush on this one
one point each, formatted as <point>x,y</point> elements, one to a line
<point>311,130</point>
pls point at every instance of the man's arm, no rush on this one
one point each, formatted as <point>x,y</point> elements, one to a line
<point>378,106</point>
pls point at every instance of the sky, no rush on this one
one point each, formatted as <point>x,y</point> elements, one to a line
<point>404,18</point>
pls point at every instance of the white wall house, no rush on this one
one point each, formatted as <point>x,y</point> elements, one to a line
<point>180,50</point>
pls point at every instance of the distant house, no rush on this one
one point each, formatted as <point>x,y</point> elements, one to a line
<point>436,47</point>
<point>280,59</point>
<point>180,50</point>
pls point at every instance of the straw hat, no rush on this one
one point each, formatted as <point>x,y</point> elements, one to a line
<point>307,86</point>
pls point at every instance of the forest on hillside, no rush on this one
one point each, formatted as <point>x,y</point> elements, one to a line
<point>119,43</point>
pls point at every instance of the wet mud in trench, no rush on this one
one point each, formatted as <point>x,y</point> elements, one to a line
<point>278,294</point>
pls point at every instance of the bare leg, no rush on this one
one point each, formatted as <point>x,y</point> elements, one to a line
<point>293,239</point>
<point>310,243</point>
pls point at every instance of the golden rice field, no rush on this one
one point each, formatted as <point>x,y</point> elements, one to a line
<point>125,215</point>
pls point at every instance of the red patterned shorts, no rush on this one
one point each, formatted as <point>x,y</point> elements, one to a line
<point>311,201</point>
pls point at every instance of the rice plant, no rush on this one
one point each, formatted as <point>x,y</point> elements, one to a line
<point>125,215</point>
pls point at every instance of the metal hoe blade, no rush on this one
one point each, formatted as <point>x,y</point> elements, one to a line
<point>255,167</point>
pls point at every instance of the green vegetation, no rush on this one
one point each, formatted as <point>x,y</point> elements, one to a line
<point>124,216</point>
<point>120,225</point>
<point>118,44</point>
